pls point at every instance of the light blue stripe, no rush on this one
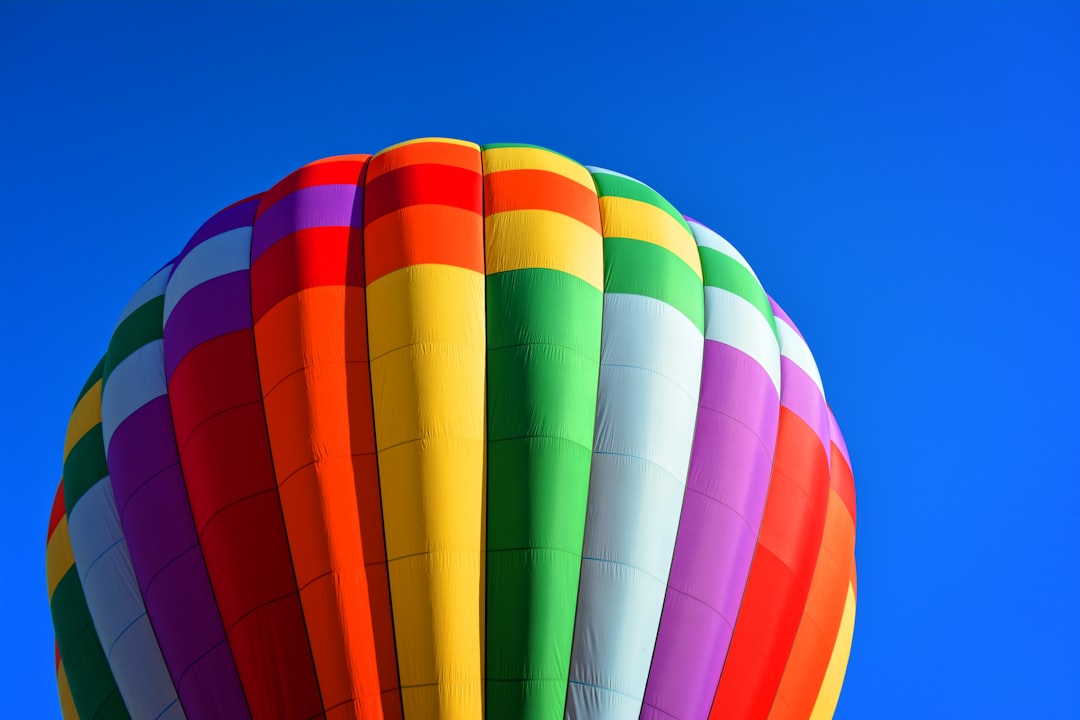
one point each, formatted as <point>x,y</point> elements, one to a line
<point>149,290</point>
<point>138,379</point>
<point>219,255</point>
<point>731,320</point>
<point>115,602</point>
<point>650,375</point>
<point>101,552</point>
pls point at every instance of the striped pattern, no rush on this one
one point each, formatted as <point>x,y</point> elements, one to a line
<point>453,431</point>
<point>220,426</point>
<point>731,461</point>
<point>791,530</point>
<point>87,675</point>
<point>104,563</point>
<point>826,605</point>
<point>424,263</point>
<point>156,515</point>
<point>307,283</point>
<point>544,256</point>
<point>646,408</point>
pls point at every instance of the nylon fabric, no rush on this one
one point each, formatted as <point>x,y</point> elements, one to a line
<point>67,704</point>
<point>217,413</point>
<point>105,571</point>
<point>424,266</point>
<point>730,465</point>
<point>453,431</point>
<point>544,309</point>
<point>829,695</point>
<point>155,514</point>
<point>792,526</point>
<point>89,678</point>
<point>650,372</point>
<point>310,335</point>
<point>808,663</point>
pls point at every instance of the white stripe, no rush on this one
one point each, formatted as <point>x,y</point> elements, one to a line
<point>794,348</point>
<point>219,255</point>
<point>706,237</point>
<point>149,290</point>
<point>734,321</point>
<point>650,375</point>
<point>138,379</point>
<point>115,602</point>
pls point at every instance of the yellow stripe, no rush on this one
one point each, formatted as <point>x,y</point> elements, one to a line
<point>58,556</point>
<point>526,158</point>
<point>627,218</point>
<point>427,339</point>
<point>67,702</point>
<point>417,141</point>
<point>520,239</point>
<point>86,415</point>
<point>829,694</point>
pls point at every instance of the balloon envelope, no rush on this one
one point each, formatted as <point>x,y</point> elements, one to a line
<point>453,431</point>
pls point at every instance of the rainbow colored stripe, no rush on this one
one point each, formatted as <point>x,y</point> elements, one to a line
<point>453,431</point>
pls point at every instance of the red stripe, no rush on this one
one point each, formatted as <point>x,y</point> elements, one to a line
<point>780,575</point>
<point>58,510</point>
<point>423,184</point>
<point>225,457</point>
<point>305,259</point>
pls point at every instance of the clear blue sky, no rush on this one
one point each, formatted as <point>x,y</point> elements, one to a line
<point>904,177</point>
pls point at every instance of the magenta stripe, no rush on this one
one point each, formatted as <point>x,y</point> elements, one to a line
<point>779,313</point>
<point>239,215</point>
<point>729,476</point>
<point>800,394</point>
<point>157,522</point>
<point>309,207</point>
<point>216,307</point>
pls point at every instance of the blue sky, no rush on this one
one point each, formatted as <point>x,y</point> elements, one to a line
<point>904,177</point>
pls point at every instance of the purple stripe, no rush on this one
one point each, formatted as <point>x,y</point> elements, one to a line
<point>216,307</point>
<point>157,522</point>
<point>800,394</point>
<point>310,207</point>
<point>728,481</point>
<point>239,215</point>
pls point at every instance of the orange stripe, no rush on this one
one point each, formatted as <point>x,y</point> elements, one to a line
<point>780,575</point>
<point>843,481</point>
<point>814,642</point>
<point>314,372</point>
<point>442,152</point>
<point>540,190</point>
<point>434,233</point>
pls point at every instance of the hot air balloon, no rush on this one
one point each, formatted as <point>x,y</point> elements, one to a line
<point>453,431</point>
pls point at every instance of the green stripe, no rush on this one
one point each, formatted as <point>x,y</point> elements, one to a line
<point>93,687</point>
<point>496,146</point>
<point>725,272</point>
<point>624,187</point>
<point>638,267</point>
<point>543,367</point>
<point>95,375</point>
<point>139,328</point>
<point>85,466</point>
